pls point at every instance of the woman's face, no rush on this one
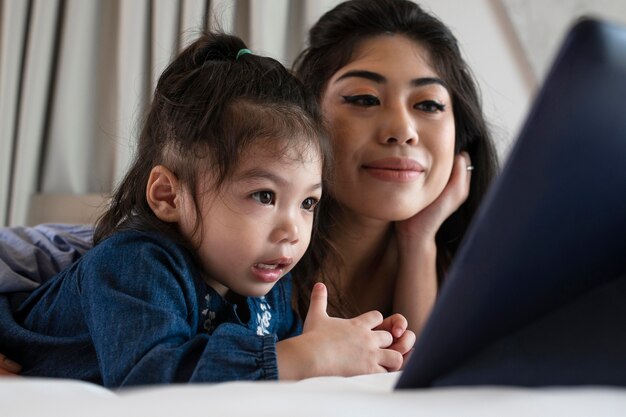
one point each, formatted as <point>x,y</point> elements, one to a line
<point>392,125</point>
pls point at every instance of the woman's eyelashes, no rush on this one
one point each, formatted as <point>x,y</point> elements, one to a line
<point>430,106</point>
<point>368,100</point>
<point>362,100</point>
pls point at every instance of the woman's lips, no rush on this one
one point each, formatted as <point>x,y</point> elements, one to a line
<point>394,169</point>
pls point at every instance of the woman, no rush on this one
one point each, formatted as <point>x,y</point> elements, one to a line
<point>408,129</point>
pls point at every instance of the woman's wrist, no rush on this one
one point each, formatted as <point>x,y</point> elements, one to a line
<point>411,247</point>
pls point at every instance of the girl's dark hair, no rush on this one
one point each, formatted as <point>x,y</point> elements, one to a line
<point>331,44</point>
<point>209,107</point>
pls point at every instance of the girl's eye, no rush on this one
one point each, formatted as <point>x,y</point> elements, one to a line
<point>363,100</point>
<point>310,203</point>
<point>430,106</point>
<point>264,197</point>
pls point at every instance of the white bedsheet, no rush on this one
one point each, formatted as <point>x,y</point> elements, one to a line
<point>363,396</point>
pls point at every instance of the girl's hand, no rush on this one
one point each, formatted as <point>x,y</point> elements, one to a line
<point>426,223</point>
<point>8,367</point>
<point>334,346</point>
<point>403,339</point>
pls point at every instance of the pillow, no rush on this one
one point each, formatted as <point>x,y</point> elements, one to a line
<point>31,255</point>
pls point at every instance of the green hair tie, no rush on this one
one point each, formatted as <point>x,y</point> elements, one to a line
<point>243,51</point>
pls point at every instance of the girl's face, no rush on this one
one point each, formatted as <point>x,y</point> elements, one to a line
<point>392,125</point>
<point>259,225</point>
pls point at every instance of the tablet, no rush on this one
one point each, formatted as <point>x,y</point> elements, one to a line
<point>535,295</point>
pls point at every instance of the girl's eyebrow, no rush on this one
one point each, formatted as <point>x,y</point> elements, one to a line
<point>380,79</point>
<point>256,174</point>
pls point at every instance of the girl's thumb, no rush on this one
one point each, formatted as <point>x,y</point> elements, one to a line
<point>319,300</point>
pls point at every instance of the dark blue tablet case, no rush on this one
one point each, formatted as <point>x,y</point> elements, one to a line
<point>536,294</point>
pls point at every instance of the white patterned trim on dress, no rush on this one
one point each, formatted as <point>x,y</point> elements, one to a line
<point>263,318</point>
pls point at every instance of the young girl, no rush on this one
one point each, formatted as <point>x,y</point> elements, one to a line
<point>407,126</point>
<point>188,281</point>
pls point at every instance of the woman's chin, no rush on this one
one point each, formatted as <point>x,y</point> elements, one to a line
<point>393,214</point>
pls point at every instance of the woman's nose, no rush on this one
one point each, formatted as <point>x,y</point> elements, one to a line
<point>399,128</point>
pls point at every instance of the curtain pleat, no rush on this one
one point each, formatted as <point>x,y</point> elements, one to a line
<point>13,35</point>
<point>134,83</point>
<point>78,146</point>
<point>222,15</point>
<point>32,118</point>
<point>193,18</point>
<point>164,35</point>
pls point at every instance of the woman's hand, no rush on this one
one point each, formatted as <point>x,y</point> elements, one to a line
<point>8,367</point>
<point>427,222</point>
<point>340,347</point>
<point>416,281</point>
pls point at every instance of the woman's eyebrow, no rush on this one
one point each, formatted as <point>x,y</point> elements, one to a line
<point>380,79</point>
<point>420,82</point>
<point>368,75</point>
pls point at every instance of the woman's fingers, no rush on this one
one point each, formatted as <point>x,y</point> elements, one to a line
<point>462,172</point>
<point>404,343</point>
<point>396,324</point>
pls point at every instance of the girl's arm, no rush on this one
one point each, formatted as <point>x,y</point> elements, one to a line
<point>333,346</point>
<point>416,284</point>
<point>142,306</point>
<point>142,323</point>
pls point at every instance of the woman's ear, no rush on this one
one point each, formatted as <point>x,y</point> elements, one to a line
<point>164,194</point>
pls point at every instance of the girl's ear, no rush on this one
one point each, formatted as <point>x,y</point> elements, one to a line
<point>164,194</point>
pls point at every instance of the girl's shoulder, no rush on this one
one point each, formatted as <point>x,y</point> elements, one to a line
<point>138,242</point>
<point>132,236</point>
<point>146,264</point>
<point>137,250</point>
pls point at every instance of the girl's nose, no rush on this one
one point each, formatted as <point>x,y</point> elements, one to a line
<point>286,231</point>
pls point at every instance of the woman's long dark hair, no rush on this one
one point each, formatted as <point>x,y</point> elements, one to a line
<point>211,104</point>
<point>331,44</point>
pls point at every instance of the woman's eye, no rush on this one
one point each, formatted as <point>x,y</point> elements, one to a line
<point>363,100</point>
<point>309,203</point>
<point>430,106</point>
<point>264,197</point>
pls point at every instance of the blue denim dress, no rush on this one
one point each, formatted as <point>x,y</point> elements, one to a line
<point>134,310</point>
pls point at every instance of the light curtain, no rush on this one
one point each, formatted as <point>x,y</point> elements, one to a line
<point>76,76</point>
